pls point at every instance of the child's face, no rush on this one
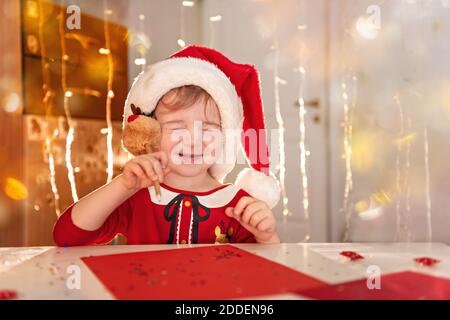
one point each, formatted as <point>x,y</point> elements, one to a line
<point>190,136</point>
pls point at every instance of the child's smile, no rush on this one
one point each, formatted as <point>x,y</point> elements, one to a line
<point>189,158</point>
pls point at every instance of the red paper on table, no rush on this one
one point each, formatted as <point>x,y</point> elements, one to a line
<point>209,272</point>
<point>405,285</point>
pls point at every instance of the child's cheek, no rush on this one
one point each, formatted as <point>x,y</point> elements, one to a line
<point>167,144</point>
<point>209,152</point>
<point>212,142</point>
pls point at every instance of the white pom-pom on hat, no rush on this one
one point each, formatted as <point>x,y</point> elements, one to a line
<point>259,185</point>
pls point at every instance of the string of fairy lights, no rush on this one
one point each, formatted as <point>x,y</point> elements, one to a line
<point>281,167</point>
<point>405,138</point>
<point>181,40</point>
<point>402,231</point>
<point>427,183</point>
<point>212,30</point>
<point>143,46</point>
<point>47,101</point>
<point>398,169</point>
<point>406,183</point>
<point>421,10</point>
<point>110,92</point>
<point>348,111</point>
<point>67,95</point>
<point>304,153</point>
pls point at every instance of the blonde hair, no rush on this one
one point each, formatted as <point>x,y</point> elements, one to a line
<point>184,97</point>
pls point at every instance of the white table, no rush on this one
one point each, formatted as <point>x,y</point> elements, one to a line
<point>41,273</point>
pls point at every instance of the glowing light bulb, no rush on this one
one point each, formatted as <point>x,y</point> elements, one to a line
<point>215,18</point>
<point>181,43</point>
<point>140,61</point>
<point>366,28</point>
<point>104,51</point>
<point>12,102</point>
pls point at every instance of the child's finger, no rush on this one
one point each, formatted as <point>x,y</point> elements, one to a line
<point>144,178</point>
<point>229,211</point>
<point>136,169</point>
<point>162,157</point>
<point>156,165</point>
<point>147,167</point>
<point>264,225</point>
<point>251,209</point>
<point>166,170</point>
<point>256,218</point>
<point>241,204</point>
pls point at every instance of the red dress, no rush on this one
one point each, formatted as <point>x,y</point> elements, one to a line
<point>178,217</point>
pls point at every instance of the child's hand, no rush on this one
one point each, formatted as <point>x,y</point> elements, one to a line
<point>255,216</point>
<point>142,171</point>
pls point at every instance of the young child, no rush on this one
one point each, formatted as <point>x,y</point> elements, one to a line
<point>197,92</point>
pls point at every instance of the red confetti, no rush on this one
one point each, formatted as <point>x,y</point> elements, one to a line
<point>351,255</point>
<point>427,261</point>
<point>8,294</point>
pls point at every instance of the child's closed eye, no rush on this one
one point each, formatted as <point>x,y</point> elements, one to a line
<point>210,126</point>
<point>174,125</point>
<point>211,129</point>
<point>179,129</point>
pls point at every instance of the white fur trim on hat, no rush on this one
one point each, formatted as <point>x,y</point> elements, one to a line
<point>159,78</point>
<point>259,185</point>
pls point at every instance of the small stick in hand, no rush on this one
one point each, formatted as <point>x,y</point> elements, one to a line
<point>148,149</point>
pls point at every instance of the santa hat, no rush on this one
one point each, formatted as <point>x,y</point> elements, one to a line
<point>235,89</point>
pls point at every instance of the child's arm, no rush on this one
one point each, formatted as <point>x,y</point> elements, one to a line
<point>89,215</point>
<point>69,232</point>
<point>90,212</point>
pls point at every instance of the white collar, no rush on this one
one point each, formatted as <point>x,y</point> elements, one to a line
<point>216,199</point>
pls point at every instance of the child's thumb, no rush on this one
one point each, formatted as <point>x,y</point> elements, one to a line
<point>229,211</point>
